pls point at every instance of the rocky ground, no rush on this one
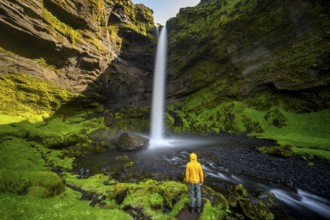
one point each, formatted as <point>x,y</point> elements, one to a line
<point>232,156</point>
<point>239,157</point>
<point>293,172</point>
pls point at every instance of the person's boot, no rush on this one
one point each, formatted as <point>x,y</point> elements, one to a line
<point>198,210</point>
<point>191,210</point>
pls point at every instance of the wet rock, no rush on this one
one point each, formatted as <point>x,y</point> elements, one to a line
<point>131,142</point>
<point>252,207</point>
<point>232,200</point>
<point>136,213</point>
<point>84,173</point>
<point>278,151</point>
<point>120,196</point>
<point>122,158</point>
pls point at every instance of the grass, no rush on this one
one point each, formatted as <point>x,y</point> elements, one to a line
<point>306,133</point>
<point>23,169</point>
<point>29,97</point>
<point>149,195</point>
<point>310,130</point>
<point>65,206</point>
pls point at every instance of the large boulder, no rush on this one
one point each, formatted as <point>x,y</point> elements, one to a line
<point>131,142</point>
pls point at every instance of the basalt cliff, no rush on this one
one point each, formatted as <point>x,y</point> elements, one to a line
<point>102,49</point>
<point>243,66</point>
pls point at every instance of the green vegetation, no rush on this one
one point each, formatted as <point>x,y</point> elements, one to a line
<point>65,206</point>
<point>43,63</point>
<point>115,38</point>
<point>139,20</point>
<point>28,97</point>
<point>306,133</point>
<point>131,119</point>
<point>61,27</point>
<point>23,170</point>
<point>30,189</point>
<point>240,78</point>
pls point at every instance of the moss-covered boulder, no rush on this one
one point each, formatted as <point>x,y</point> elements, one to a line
<point>253,207</point>
<point>279,151</point>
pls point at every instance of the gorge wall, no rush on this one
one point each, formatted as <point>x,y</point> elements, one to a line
<point>228,56</point>
<point>242,47</point>
<point>235,66</point>
<point>102,49</point>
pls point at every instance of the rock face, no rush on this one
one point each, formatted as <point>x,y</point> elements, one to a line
<point>131,142</point>
<point>84,46</point>
<point>239,48</point>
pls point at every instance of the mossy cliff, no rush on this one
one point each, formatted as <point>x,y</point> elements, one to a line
<point>79,45</point>
<point>252,66</point>
<point>61,63</point>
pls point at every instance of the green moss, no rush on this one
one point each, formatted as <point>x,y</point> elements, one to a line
<point>61,27</point>
<point>2,50</point>
<point>115,38</point>
<point>43,63</point>
<point>30,97</point>
<point>65,206</point>
<point>149,196</point>
<point>132,119</point>
<point>311,153</point>
<point>281,151</point>
<point>210,212</point>
<point>22,167</point>
<point>309,131</point>
<point>6,119</point>
<point>139,21</point>
<point>94,183</point>
<point>252,207</point>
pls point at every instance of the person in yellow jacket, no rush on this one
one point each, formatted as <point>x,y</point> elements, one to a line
<point>194,178</point>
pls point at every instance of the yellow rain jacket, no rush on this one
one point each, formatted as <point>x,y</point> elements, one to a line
<point>194,171</point>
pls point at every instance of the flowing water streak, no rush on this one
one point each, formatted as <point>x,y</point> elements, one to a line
<point>158,94</point>
<point>157,30</point>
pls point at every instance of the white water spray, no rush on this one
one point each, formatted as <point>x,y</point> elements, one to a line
<point>158,93</point>
<point>157,30</point>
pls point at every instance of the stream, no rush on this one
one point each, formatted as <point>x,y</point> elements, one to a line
<point>231,159</point>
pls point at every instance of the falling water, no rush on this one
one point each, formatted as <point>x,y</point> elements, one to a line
<point>157,30</point>
<point>158,94</point>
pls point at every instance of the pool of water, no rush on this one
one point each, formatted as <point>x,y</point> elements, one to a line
<point>299,203</point>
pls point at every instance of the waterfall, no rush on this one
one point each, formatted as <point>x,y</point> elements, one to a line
<point>157,30</point>
<point>158,93</point>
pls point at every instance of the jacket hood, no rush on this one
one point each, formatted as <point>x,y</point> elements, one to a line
<point>193,157</point>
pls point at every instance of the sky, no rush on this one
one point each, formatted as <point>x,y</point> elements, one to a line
<point>165,9</point>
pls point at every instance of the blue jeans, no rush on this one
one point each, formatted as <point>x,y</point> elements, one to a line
<point>194,194</point>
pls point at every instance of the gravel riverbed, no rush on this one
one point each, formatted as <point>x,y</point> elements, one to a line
<point>239,157</point>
